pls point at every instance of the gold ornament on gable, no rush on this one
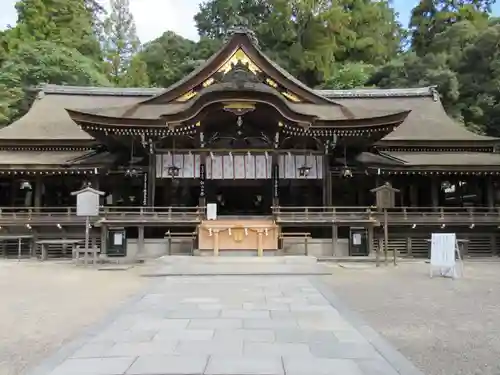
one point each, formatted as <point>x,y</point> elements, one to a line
<point>271,83</point>
<point>239,57</point>
<point>290,96</point>
<point>208,82</point>
<point>187,96</point>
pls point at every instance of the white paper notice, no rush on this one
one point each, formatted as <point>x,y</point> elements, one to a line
<point>356,239</point>
<point>118,239</point>
<point>212,211</point>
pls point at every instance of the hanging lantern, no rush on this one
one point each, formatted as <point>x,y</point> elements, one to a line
<point>304,170</point>
<point>25,185</point>
<point>346,172</point>
<point>173,171</point>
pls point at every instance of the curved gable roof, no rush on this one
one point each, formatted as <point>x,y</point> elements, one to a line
<point>241,40</point>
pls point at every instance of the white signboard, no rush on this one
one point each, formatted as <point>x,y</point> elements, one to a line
<point>211,211</point>
<point>118,239</point>
<point>443,250</point>
<point>87,204</point>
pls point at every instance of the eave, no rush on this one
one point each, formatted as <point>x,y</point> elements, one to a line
<point>432,143</point>
<point>432,170</point>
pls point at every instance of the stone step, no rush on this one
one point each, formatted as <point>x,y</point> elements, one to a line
<point>243,259</point>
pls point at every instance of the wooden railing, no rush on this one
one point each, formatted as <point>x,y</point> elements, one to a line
<point>398,215</point>
<point>283,215</point>
<point>118,214</point>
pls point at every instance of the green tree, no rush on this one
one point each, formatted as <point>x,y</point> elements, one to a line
<point>432,17</point>
<point>171,57</point>
<point>479,72</point>
<point>463,62</point>
<point>36,63</point>
<point>4,46</point>
<point>121,41</point>
<point>216,17</point>
<point>348,76</point>
<point>64,22</point>
<point>308,36</point>
<point>137,73</point>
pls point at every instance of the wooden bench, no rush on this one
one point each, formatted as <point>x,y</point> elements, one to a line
<point>299,237</point>
<point>181,236</point>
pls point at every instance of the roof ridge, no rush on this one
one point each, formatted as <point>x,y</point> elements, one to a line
<point>428,91</point>
<point>152,91</point>
<point>99,91</point>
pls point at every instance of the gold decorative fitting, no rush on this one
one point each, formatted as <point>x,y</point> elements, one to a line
<point>290,96</point>
<point>189,95</point>
<point>239,108</point>
<point>271,83</point>
<point>198,123</point>
<point>208,82</point>
<point>236,57</point>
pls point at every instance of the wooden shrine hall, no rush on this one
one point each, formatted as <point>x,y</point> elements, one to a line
<point>279,168</point>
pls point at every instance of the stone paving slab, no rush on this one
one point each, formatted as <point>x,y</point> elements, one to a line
<point>228,265</point>
<point>255,326</point>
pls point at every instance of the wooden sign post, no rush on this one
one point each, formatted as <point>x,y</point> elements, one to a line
<point>87,205</point>
<point>385,199</point>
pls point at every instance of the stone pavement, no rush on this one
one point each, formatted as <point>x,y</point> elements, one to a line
<point>236,265</point>
<point>231,325</point>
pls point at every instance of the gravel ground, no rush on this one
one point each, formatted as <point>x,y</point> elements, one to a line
<point>44,305</point>
<point>444,326</point>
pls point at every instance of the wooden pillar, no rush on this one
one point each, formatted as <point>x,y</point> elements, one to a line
<point>140,243</point>
<point>202,200</point>
<point>370,239</point>
<point>434,193</point>
<point>94,182</point>
<point>38,193</point>
<point>13,191</point>
<point>335,235</point>
<point>275,174</point>
<point>34,244</point>
<point>104,239</point>
<point>151,183</point>
<point>413,194</point>
<point>216,242</point>
<point>490,193</point>
<point>260,250</point>
<point>326,181</point>
<point>275,180</point>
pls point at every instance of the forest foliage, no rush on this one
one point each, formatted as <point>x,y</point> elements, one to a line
<point>335,44</point>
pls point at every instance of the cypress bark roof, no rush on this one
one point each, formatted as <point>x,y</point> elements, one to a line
<point>37,159</point>
<point>48,120</point>
<point>444,159</point>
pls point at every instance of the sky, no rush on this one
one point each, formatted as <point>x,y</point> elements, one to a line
<point>154,17</point>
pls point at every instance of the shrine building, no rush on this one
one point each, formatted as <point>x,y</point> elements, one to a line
<point>241,156</point>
